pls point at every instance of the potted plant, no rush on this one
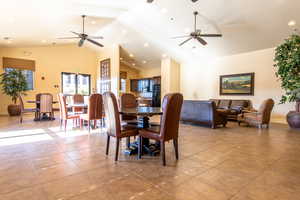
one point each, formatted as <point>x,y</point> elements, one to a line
<point>13,84</point>
<point>287,64</point>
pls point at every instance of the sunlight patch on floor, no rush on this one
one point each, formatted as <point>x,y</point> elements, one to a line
<point>24,139</point>
<point>28,132</point>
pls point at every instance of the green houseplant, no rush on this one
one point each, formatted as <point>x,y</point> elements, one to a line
<point>287,64</point>
<point>13,84</point>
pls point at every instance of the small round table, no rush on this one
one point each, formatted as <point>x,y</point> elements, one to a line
<point>143,114</point>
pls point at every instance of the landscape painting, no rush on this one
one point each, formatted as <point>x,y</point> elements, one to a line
<point>237,84</point>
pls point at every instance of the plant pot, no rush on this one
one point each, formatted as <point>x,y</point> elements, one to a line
<point>13,110</point>
<point>293,119</point>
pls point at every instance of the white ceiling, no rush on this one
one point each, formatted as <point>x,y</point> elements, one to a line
<point>245,25</point>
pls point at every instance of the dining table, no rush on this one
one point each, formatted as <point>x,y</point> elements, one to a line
<point>143,115</point>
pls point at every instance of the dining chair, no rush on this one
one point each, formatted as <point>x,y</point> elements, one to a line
<point>27,110</point>
<point>113,123</point>
<point>95,108</point>
<point>128,100</point>
<point>46,101</point>
<point>64,114</point>
<point>168,130</point>
<point>78,99</point>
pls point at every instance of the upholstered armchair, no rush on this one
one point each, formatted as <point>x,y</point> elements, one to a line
<point>258,117</point>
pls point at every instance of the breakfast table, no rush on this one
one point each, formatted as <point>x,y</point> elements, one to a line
<point>143,115</point>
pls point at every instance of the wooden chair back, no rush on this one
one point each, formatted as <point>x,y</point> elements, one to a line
<point>95,107</point>
<point>62,106</point>
<point>171,107</point>
<point>78,98</point>
<point>46,101</point>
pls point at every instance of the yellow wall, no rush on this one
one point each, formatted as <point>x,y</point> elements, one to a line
<point>50,62</point>
<point>201,80</point>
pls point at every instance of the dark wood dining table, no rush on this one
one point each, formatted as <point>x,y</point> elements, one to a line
<point>143,114</point>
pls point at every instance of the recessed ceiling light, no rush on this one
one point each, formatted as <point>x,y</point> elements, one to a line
<point>292,23</point>
<point>146,44</point>
<point>44,41</point>
<point>144,61</point>
<point>164,55</point>
<point>131,55</point>
<point>133,64</point>
<point>163,10</point>
<point>93,22</point>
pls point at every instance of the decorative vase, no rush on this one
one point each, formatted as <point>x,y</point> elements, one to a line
<point>293,117</point>
<point>13,110</point>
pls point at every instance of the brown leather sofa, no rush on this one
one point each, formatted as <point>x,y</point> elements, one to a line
<point>232,107</point>
<point>202,113</point>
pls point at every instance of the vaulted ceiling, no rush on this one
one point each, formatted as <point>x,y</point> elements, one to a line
<point>144,30</point>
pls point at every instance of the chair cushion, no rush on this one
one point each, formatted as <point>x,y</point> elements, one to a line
<point>150,133</point>
<point>128,130</point>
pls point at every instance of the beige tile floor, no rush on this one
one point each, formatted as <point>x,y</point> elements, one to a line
<point>39,161</point>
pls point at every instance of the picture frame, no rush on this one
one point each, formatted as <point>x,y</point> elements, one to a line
<point>237,84</point>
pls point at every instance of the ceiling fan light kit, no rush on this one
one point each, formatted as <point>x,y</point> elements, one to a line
<point>196,34</point>
<point>84,37</point>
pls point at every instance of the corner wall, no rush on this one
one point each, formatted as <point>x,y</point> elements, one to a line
<point>201,80</point>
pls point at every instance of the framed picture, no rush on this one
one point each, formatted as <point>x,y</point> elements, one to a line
<point>237,84</point>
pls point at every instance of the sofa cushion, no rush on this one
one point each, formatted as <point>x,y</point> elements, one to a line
<point>224,104</point>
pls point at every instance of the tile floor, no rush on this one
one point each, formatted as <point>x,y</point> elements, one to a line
<point>38,161</point>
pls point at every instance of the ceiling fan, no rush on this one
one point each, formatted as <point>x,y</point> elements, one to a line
<point>83,36</point>
<point>197,34</point>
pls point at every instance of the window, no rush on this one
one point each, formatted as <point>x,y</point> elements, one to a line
<point>28,75</point>
<point>105,76</point>
<point>76,83</point>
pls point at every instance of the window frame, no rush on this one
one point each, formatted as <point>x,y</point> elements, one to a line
<point>76,82</point>
<point>33,76</point>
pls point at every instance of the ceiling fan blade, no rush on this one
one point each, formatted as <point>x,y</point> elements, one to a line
<point>80,43</point>
<point>79,35</point>
<point>94,42</point>
<point>96,37</point>
<point>201,40</point>
<point>211,35</point>
<point>180,36</point>
<point>68,38</point>
<point>182,43</point>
